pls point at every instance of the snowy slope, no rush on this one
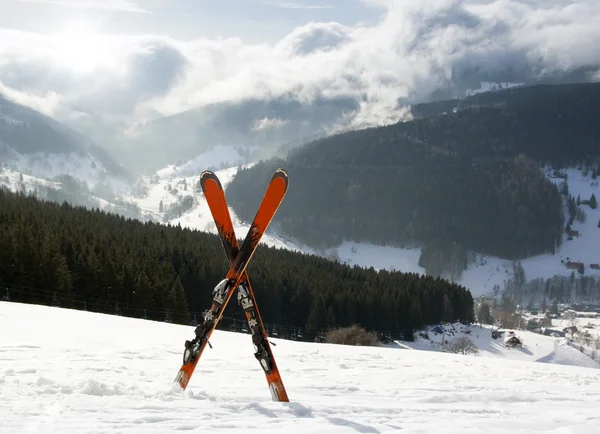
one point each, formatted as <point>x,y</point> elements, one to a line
<point>218,156</point>
<point>59,374</point>
<point>48,166</point>
<point>12,180</point>
<point>536,347</point>
<point>20,182</point>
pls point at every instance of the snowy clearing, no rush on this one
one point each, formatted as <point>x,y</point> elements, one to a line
<point>71,371</point>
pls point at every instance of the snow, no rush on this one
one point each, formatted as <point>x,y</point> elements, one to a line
<point>380,257</point>
<point>12,180</point>
<point>215,157</point>
<point>85,168</point>
<point>58,373</point>
<point>487,86</point>
<point>536,347</point>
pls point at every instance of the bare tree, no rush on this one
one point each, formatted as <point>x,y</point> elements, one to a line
<point>353,335</point>
<point>462,345</point>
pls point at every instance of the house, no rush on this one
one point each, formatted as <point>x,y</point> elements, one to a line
<point>554,333</point>
<point>511,340</point>
<point>572,233</point>
<point>575,265</point>
<point>595,266</point>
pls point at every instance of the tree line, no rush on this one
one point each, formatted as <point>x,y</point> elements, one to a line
<point>90,254</point>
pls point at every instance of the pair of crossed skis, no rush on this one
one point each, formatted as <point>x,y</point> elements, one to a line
<point>239,257</point>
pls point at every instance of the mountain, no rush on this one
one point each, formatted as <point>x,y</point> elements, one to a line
<point>36,144</point>
<point>257,127</point>
<point>45,158</point>
<point>465,181</point>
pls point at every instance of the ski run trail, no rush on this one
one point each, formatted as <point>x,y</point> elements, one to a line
<point>68,371</point>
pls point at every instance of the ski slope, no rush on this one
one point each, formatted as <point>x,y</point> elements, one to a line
<point>67,371</point>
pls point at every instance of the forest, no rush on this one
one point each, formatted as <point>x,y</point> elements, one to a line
<point>449,182</point>
<point>100,261</point>
<point>560,289</point>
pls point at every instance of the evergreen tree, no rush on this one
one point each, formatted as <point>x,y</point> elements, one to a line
<point>554,307</point>
<point>593,202</point>
<point>103,259</point>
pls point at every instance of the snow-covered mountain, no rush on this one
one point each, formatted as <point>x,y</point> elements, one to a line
<point>35,144</point>
<point>171,186</point>
<point>59,374</point>
<point>263,125</point>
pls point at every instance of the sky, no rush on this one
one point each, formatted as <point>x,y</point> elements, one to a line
<point>254,21</point>
<point>130,61</point>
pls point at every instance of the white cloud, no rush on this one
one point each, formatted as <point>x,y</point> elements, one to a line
<point>117,5</point>
<point>418,47</point>
<point>266,123</point>
<point>293,5</point>
<point>46,103</point>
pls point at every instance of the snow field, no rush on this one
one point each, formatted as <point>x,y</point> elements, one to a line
<point>71,371</point>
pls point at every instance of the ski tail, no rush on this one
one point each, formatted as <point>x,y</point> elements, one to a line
<point>215,197</point>
<point>271,200</point>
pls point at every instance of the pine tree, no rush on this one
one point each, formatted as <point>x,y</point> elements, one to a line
<point>554,307</point>
<point>593,202</point>
<point>177,302</point>
<point>143,298</point>
<point>416,313</point>
<point>543,306</point>
<point>317,318</point>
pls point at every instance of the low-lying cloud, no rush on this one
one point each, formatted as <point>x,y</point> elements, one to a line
<point>419,47</point>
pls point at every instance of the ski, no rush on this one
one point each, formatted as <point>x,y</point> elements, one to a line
<point>222,293</point>
<point>215,197</point>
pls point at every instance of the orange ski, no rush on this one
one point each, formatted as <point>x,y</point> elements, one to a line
<point>222,293</point>
<point>215,197</point>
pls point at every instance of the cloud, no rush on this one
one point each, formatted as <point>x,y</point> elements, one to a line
<point>292,5</point>
<point>116,5</point>
<point>267,123</point>
<point>98,75</point>
<point>315,37</point>
<point>46,103</point>
<point>417,48</point>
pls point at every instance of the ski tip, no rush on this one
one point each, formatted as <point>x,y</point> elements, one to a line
<point>209,175</point>
<point>282,174</point>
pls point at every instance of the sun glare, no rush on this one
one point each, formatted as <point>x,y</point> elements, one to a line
<point>81,49</point>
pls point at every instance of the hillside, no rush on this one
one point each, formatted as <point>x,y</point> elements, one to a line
<point>36,145</point>
<point>483,272</point>
<point>535,347</point>
<point>104,260</point>
<point>462,182</point>
<point>265,126</point>
<point>125,384</point>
